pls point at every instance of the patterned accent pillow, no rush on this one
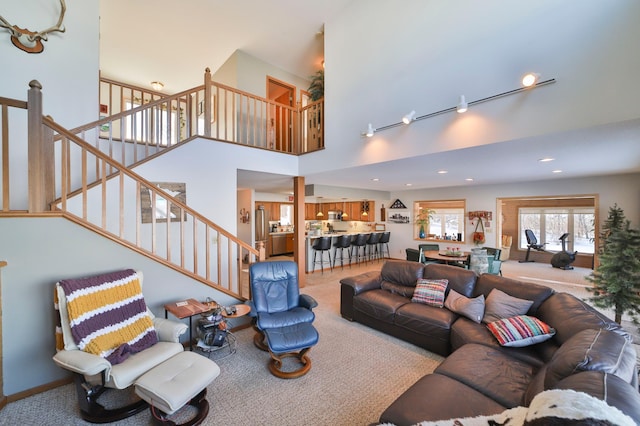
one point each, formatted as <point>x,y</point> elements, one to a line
<point>430,292</point>
<point>521,330</point>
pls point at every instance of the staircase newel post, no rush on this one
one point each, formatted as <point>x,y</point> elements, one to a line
<point>39,167</point>
<point>207,102</point>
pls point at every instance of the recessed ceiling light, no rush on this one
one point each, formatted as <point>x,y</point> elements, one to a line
<point>556,171</point>
<point>408,184</point>
<point>375,179</point>
<point>469,179</point>
<point>442,172</point>
<point>546,159</point>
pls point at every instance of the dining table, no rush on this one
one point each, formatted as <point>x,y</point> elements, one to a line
<point>449,259</point>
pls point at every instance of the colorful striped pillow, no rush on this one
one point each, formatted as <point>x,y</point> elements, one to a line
<point>519,331</point>
<point>108,316</point>
<point>430,292</point>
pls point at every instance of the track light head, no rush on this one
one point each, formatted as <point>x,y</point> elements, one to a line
<point>409,117</point>
<point>462,105</point>
<point>530,79</point>
<point>370,131</point>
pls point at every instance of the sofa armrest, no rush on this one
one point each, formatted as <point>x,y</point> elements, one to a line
<point>363,282</point>
<point>168,330</point>
<point>81,362</point>
<point>352,286</point>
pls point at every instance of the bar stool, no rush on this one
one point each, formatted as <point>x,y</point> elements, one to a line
<point>360,242</point>
<point>372,245</point>
<point>343,242</point>
<point>322,244</point>
<point>384,243</point>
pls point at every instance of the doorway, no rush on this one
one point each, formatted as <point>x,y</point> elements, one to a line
<point>280,115</point>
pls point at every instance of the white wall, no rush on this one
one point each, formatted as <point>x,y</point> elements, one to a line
<point>387,60</point>
<point>35,264</point>
<point>249,74</point>
<point>67,69</point>
<point>210,171</point>
<point>621,189</point>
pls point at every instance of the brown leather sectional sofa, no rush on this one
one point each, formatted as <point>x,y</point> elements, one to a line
<point>588,353</point>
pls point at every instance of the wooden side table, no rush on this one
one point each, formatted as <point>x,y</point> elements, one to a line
<point>186,309</point>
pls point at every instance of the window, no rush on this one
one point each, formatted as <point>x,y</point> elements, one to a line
<point>549,224</point>
<point>155,125</point>
<point>446,221</point>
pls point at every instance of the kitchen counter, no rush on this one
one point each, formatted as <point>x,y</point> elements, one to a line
<point>281,233</point>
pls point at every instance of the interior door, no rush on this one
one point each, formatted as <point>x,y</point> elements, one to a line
<point>280,120</point>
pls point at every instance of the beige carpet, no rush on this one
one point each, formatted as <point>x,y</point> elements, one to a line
<point>357,372</point>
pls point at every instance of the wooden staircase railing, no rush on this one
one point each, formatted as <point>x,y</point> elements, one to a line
<point>143,123</point>
<point>89,187</point>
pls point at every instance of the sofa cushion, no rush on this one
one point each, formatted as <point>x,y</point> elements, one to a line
<point>436,397</point>
<point>430,292</point>
<point>569,315</point>
<point>520,289</point>
<point>379,304</point>
<point>500,305</point>
<point>589,350</point>
<point>491,371</point>
<point>401,273</point>
<point>461,280</point>
<point>426,320</point>
<point>520,331</point>
<point>472,308</point>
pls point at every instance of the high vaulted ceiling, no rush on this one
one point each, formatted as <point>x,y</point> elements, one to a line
<point>173,42</point>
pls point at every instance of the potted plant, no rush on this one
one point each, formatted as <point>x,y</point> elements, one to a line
<point>616,280</point>
<point>316,88</point>
<point>423,218</point>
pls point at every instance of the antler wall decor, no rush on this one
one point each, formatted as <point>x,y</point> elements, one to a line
<point>30,41</point>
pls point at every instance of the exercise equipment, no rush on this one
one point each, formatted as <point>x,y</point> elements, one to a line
<point>563,259</point>
<point>532,243</point>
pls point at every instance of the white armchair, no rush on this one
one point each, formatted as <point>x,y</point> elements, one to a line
<point>94,374</point>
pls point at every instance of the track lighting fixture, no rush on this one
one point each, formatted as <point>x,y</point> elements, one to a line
<point>529,81</point>
<point>462,105</point>
<point>409,117</point>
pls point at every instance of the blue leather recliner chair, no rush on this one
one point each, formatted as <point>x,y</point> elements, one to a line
<point>282,317</point>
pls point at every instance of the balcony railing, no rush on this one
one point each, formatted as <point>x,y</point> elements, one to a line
<point>149,122</point>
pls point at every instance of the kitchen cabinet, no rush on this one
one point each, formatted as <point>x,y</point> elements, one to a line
<point>289,243</point>
<point>310,210</point>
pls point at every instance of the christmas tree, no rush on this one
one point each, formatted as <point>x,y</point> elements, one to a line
<point>616,281</point>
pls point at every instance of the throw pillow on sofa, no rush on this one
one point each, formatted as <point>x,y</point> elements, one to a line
<point>500,305</point>
<point>520,331</point>
<point>472,308</point>
<point>430,292</point>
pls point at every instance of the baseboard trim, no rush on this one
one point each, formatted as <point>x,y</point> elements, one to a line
<point>38,389</point>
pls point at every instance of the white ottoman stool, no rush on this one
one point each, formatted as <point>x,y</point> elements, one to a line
<point>179,380</point>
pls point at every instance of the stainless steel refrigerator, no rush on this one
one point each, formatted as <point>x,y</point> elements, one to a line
<point>262,226</point>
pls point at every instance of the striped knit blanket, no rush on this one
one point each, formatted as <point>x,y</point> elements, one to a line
<point>108,315</point>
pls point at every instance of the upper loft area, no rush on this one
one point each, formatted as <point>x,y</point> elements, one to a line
<point>289,118</point>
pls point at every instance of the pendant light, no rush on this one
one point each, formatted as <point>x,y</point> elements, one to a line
<point>320,214</point>
<point>344,213</point>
